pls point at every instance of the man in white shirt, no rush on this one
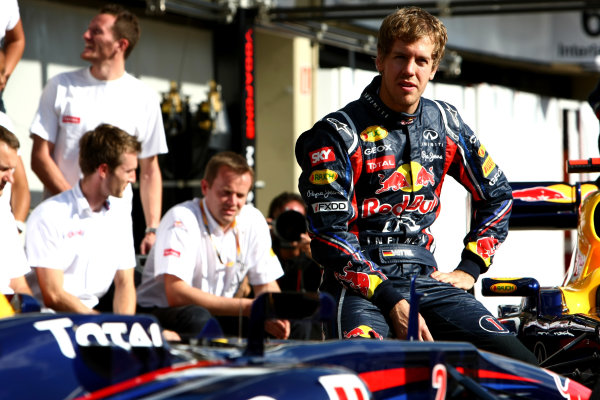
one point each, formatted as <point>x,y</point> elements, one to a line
<point>204,250</point>
<point>14,264</point>
<point>75,102</point>
<point>12,38</point>
<point>78,242</point>
<point>17,197</point>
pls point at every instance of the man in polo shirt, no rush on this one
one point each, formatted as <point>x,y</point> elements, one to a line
<point>75,102</point>
<point>14,264</point>
<point>204,250</point>
<point>77,241</point>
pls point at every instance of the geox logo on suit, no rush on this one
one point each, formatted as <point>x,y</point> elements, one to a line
<point>330,206</point>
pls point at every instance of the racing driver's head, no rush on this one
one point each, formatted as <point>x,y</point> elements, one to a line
<point>410,47</point>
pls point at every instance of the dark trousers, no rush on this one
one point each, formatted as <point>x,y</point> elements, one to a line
<point>451,314</point>
<point>188,321</point>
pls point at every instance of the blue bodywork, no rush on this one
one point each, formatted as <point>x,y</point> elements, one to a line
<point>67,356</point>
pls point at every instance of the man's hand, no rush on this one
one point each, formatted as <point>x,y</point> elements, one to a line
<point>2,80</point>
<point>458,278</point>
<point>171,336</point>
<point>399,316</point>
<point>305,244</point>
<point>280,328</point>
<point>147,243</point>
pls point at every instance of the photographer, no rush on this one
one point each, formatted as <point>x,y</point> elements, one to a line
<point>291,243</point>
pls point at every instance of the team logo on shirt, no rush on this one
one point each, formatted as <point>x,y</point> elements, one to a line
<point>69,119</point>
<point>373,134</point>
<point>407,178</point>
<point>75,233</point>
<point>171,252</point>
<point>485,247</point>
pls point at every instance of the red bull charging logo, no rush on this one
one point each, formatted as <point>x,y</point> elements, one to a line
<point>402,178</point>
<point>485,248</point>
<point>356,280</point>
<point>363,331</point>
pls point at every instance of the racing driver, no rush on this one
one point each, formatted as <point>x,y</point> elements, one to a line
<point>372,174</point>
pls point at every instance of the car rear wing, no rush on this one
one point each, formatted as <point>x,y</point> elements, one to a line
<point>552,205</point>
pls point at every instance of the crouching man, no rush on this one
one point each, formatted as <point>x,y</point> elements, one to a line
<point>76,242</point>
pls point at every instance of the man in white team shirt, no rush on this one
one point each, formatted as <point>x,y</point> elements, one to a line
<point>77,241</point>
<point>16,197</point>
<point>12,38</point>
<point>14,264</point>
<point>204,250</point>
<point>75,102</point>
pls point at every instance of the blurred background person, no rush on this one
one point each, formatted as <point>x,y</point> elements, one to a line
<point>12,39</point>
<point>291,243</point>
<point>14,263</point>
<point>16,197</point>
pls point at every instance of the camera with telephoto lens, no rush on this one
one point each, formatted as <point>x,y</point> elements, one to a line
<point>288,227</point>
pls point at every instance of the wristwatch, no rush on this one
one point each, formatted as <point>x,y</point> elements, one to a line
<point>150,230</point>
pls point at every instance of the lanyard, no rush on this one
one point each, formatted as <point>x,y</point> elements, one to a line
<point>210,235</point>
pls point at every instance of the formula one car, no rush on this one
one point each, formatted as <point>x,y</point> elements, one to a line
<point>68,356</point>
<point>560,324</point>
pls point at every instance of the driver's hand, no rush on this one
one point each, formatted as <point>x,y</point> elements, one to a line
<point>457,278</point>
<point>399,317</point>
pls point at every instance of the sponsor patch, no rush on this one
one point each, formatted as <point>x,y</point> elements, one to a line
<point>380,163</point>
<point>340,126</point>
<point>488,166</point>
<point>430,134</point>
<point>372,206</point>
<point>325,194</point>
<point>377,149</point>
<point>397,253</point>
<point>330,206</point>
<point>373,134</point>
<point>481,151</point>
<point>324,154</point>
<point>323,177</point>
<point>69,119</point>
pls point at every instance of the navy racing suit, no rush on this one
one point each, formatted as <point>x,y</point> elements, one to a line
<point>372,178</point>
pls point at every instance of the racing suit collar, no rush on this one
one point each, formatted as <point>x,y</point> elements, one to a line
<point>370,96</point>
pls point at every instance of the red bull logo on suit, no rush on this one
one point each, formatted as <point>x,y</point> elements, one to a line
<point>407,178</point>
